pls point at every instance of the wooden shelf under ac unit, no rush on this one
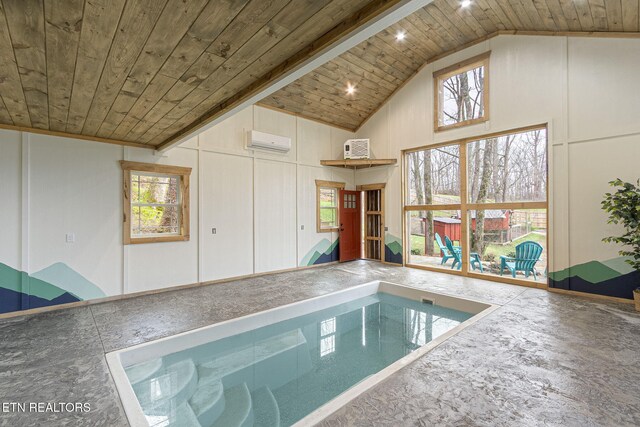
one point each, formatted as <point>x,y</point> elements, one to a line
<point>359,163</point>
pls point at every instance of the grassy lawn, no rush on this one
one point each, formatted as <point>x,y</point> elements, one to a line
<point>499,250</point>
<point>417,242</point>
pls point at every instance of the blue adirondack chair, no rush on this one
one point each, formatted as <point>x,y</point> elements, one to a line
<point>446,253</point>
<point>527,255</point>
<point>457,256</point>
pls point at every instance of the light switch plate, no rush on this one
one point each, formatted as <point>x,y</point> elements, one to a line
<point>70,237</point>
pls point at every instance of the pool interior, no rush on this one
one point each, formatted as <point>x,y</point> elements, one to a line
<point>278,374</point>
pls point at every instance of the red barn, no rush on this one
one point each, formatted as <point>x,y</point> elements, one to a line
<point>494,221</point>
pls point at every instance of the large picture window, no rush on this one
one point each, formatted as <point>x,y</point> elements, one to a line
<point>462,93</point>
<point>156,203</point>
<point>479,206</point>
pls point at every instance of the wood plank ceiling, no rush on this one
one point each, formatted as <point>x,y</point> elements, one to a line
<point>378,66</point>
<point>140,71</point>
<point>148,71</point>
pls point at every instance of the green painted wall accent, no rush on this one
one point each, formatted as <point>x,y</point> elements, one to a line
<point>393,243</point>
<point>12,279</point>
<point>619,264</point>
<point>593,271</point>
<point>392,249</point>
<point>323,247</point>
<point>64,277</point>
<point>49,283</point>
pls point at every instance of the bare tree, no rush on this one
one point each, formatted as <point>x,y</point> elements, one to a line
<point>478,241</point>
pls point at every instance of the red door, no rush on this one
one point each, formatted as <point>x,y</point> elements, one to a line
<point>349,225</point>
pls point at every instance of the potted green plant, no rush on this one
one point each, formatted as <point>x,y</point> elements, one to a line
<point>623,207</point>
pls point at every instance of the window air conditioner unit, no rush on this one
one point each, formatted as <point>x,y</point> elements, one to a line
<point>356,149</point>
<point>265,141</point>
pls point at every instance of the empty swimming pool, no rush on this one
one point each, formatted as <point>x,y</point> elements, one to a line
<point>278,374</point>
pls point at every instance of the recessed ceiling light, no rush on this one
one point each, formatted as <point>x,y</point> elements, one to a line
<point>401,35</point>
<point>350,89</point>
<point>465,3</point>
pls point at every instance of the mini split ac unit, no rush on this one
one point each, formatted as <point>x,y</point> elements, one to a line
<point>265,141</point>
<point>356,149</point>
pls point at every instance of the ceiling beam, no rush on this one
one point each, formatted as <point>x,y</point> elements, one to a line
<point>370,20</point>
<point>74,136</point>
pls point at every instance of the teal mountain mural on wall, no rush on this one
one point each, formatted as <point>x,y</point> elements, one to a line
<point>613,278</point>
<point>56,284</point>
<point>324,251</point>
<point>64,277</point>
<point>392,249</point>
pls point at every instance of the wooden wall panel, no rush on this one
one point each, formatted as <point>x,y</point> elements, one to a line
<point>10,86</point>
<point>149,71</point>
<point>62,31</point>
<point>380,65</point>
<point>25,19</point>
<point>99,25</point>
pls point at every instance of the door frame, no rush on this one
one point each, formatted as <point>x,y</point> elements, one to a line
<point>363,189</point>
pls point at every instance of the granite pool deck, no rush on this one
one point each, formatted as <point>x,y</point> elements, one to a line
<point>539,359</point>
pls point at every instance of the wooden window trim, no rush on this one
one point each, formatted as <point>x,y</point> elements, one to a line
<point>183,172</point>
<point>327,184</point>
<point>465,206</point>
<point>460,67</point>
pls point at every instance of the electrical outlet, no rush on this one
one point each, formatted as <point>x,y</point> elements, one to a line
<point>214,231</point>
<point>70,238</point>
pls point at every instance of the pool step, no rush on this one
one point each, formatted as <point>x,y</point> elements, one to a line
<point>265,408</point>
<point>238,410</point>
<point>266,362</point>
<point>142,371</point>
<point>168,388</point>
<point>208,401</point>
<point>182,416</point>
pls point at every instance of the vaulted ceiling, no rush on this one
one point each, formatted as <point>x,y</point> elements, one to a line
<point>378,66</point>
<point>149,72</point>
<point>143,71</point>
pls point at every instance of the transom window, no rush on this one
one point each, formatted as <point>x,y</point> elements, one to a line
<point>462,93</point>
<point>327,202</point>
<point>156,203</point>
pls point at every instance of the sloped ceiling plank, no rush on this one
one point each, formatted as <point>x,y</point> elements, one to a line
<point>138,20</point>
<point>177,15</point>
<point>435,30</point>
<point>63,24</point>
<point>630,15</point>
<point>99,25</point>
<point>10,84</point>
<point>25,19</point>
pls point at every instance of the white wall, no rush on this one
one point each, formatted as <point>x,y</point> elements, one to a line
<point>11,196</point>
<point>586,89</point>
<point>76,196</point>
<point>258,203</point>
